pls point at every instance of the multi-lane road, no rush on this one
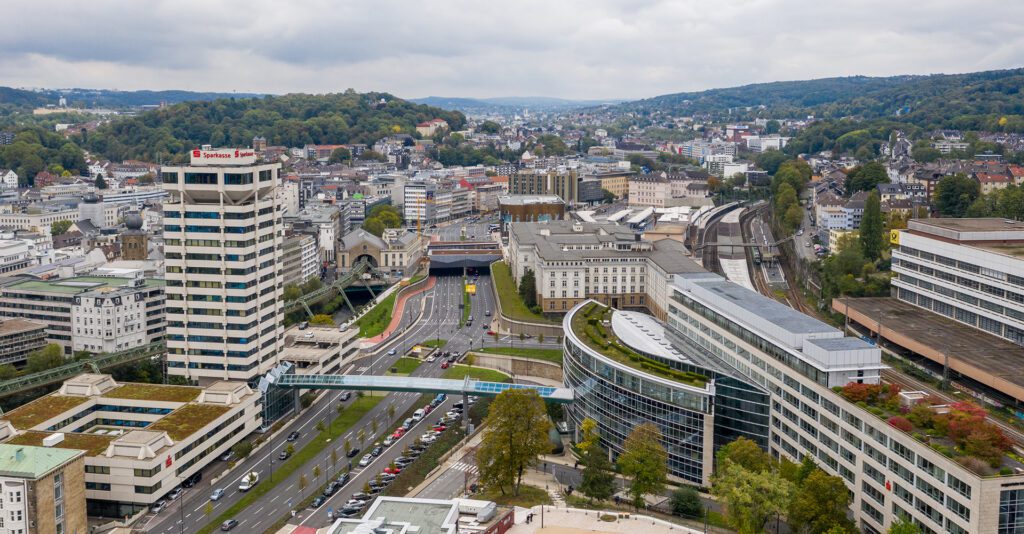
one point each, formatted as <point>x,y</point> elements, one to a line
<point>435,314</point>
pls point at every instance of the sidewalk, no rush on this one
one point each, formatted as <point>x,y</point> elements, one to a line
<point>454,456</point>
<point>396,317</point>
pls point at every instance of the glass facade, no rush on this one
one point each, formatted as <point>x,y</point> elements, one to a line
<point>1011,511</point>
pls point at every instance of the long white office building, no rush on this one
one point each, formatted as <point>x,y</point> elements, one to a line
<point>797,361</point>
<point>223,234</point>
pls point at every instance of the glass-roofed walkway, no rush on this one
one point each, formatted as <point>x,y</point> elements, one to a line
<point>416,384</point>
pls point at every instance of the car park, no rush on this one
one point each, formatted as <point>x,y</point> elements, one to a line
<point>228,525</point>
<point>217,494</point>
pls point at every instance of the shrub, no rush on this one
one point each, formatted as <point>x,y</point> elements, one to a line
<point>1006,471</point>
<point>975,464</point>
<point>901,423</point>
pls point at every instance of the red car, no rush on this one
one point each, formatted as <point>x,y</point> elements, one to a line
<point>491,332</point>
<point>427,409</point>
<point>445,365</point>
<point>398,433</point>
<point>392,470</point>
<point>440,428</point>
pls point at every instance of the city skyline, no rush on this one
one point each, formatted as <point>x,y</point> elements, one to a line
<point>604,50</point>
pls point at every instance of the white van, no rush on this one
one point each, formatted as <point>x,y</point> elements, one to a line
<point>418,415</point>
<point>249,481</point>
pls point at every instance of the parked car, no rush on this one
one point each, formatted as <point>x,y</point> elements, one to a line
<point>376,451</point>
<point>345,395</point>
<point>227,456</point>
<point>418,415</point>
<point>393,470</point>
<point>318,501</point>
<point>330,489</point>
<point>293,435</point>
<point>487,327</point>
<point>365,460</point>
<point>158,507</point>
<point>441,397</point>
<point>403,461</point>
<point>360,496</point>
<point>283,455</point>
<point>228,525</point>
<point>388,478</point>
<point>431,358</point>
<point>343,479</point>
<point>491,332</point>
<point>388,441</point>
<point>353,452</point>
<point>217,494</point>
<point>407,424</point>
<point>399,432</point>
<point>349,511</point>
<point>192,480</point>
<point>174,494</point>
<point>440,428</point>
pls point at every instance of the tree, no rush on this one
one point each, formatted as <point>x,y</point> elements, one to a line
<point>373,155</point>
<point>770,160</point>
<point>866,177</point>
<point>320,426</point>
<point>607,196</point>
<point>208,509</point>
<point>871,231</point>
<point>361,436</point>
<point>338,408</point>
<point>7,371</point>
<point>374,226</point>
<point>291,292</point>
<point>470,359</point>
<point>644,461</point>
<point>750,497</point>
<point>316,472</point>
<point>517,432</point>
<point>348,446</point>
<point>820,504</point>
<point>303,483</point>
<point>746,454</point>
<point>489,127</point>
<point>686,503</point>
<point>598,478</point>
<point>772,127</point>
<point>528,288</point>
<point>59,227</point>
<point>954,194</point>
<point>45,358</point>
<point>391,411</point>
<point>289,449</point>
<point>374,426</point>
<point>101,183</point>
<point>902,526</point>
<point>588,435</point>
<point>322,319</point>
<point>340,155</point>
<point>242,449</point>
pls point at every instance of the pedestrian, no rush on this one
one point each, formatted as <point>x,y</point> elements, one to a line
<point>293,513</point>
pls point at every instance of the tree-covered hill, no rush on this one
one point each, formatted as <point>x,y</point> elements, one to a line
<point>290,120</point>
<point>990,100</point>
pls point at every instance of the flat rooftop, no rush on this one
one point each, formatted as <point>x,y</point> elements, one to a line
<point>968,230</point>
<point>522,200</point>
<point>14,326</point>
<point>766,309</point>
<point>78,284</point>
<point>985,358</point>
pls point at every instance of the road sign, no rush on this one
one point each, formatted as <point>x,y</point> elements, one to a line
<point>471,289</point>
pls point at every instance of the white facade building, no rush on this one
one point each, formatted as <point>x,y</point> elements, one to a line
<point>223,232</point>
<point>109,321</point>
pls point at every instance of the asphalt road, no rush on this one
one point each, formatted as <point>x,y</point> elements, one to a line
<point>454,481</point>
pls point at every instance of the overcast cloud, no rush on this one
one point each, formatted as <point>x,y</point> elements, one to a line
<point>574,49</point>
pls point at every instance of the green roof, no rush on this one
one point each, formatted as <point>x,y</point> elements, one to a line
<point>92,444</point>
<point>79,284</point>
<point>154,392</point>
<point>42,409</point>
<point>25,461</point>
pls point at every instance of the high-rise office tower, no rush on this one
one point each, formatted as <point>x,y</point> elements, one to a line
<point>223,231</point>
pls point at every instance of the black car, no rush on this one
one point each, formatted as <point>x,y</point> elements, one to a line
<point>318,501</point>
<point>352,453</point>
<point>293,435</point>
<point>330,489</point>
<point>348,511</point>
<point>343,479</point>
<point>360,496</point>
<point>345,395</point>
<point>418,448</point>
<point>376,451</point>
<point>403,460</point>
<point>387,477</point>
<point>375,490</point>
<point>192,480</point>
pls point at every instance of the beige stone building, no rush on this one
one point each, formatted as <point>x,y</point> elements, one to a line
<point>42,490</point>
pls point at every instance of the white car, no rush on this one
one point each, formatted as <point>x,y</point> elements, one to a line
<point>158,507</point>
<point>388,441</point>
<point>431,358</point>
<point>429,437</point>
<point>392,352</point>
<point>365,460</point>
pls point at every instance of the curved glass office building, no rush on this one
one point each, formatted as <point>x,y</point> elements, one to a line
<point>626,370</point>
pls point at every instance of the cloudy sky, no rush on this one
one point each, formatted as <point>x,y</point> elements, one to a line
<point>590,49</point>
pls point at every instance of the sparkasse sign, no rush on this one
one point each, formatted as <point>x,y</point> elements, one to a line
<point>224,156</point>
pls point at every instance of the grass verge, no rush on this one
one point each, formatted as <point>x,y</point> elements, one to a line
<point>434,343</point>
<point>528,497</point>
<point>376,321</point>
<point>467,306</point>
<point>346,420</point>
<point>460,372</point>
<point>548,355</point>
<point>405,366</point>
<point>511,305</point>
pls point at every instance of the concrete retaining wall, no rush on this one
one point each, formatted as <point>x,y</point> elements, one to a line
<point>518,366</point>
<point>514,326</point>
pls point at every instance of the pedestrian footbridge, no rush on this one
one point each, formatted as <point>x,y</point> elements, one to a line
<point>465,387</point>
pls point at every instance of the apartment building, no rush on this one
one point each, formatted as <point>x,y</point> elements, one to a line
<point>140,440</point>
<point>223,233</point>
<point>615,182</point>
<point>53,303</point>
<point>300,259</point>
<point>109,320</point>
<point>606,262</point>
<point>42,490</point>
<point>35,220</point>
<point>419,206</point>
<point>19,338</point>
<point>649,190</point>
<point>969,270</point>
<point>798,360</point>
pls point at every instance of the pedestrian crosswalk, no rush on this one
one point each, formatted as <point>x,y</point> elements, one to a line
<point>463,466</point>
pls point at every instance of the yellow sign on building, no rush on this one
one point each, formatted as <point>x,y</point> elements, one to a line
<point>894,237</point>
